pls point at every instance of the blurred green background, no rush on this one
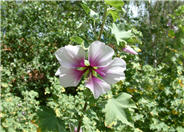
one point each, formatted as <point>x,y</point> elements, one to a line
<point>32,31</point>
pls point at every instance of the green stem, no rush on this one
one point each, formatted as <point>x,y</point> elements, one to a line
<point>102,26</point>
<point>101,31</point>
<point>80,120</point>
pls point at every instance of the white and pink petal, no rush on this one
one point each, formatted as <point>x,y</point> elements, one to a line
<point>69,77</point>
<point>71,56</point>
<point>100,54</point>
<point>114,72</point>
<point>97,86</point>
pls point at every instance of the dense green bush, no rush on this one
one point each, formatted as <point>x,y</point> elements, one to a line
<point>32,31</point>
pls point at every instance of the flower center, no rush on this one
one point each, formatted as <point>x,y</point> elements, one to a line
<point>88,70</point>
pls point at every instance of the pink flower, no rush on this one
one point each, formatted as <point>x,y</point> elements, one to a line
<point>100,70</point>
<point>128,49</point>
<point>75,129</point>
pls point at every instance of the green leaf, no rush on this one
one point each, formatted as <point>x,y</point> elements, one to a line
<point>86,8</point>
<point>114,14</point>
<point>49,122</point>
<point>120,35</point>
<point>77,39</point>
<point>115,3</point>
<point>180,129</point>
<point>117,108</point>
<point>93,14</point>
<point>171,34</point>
<point>1,129</point>
<point>89,11</point>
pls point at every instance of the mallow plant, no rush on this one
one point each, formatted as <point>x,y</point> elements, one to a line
<point>99,71</point>
<point>98,68</point>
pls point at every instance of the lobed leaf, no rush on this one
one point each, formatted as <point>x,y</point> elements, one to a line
<point>120,35</point>
<point>117,108</point>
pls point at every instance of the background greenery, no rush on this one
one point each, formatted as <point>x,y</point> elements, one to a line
<point>32,31</point>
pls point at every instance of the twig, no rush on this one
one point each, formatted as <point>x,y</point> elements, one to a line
<point>102,26</point>
<point>80,121</point>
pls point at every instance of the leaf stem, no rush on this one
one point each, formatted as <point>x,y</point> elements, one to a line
<point>102,26</point>
<point>80,120</point>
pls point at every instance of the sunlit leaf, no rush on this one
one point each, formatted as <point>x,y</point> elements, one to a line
<point>114,14</point>
<point>86,8</point>
<point>115,3</point>
<point>89,11</point>
<point>93,14</point>
<point>180,129</point>
<point>77,39</point>
<point>120,35</point>
<point>117,108</point>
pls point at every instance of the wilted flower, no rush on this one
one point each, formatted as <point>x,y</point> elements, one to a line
<point>100,70</point>
<point>128,49</point>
